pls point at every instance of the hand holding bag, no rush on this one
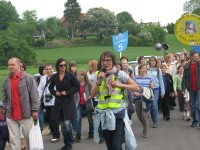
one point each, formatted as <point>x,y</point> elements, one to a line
<point>35,137</point>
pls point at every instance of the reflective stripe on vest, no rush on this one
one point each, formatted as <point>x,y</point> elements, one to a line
<point>109,101</point>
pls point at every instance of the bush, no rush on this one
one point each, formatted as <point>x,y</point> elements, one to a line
<point>39,43</point>
<point>134,41</point>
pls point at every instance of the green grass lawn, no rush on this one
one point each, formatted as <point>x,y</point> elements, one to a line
<point>83,54</point>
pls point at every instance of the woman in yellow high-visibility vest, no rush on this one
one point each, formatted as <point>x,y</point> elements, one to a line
<point>111,111</point>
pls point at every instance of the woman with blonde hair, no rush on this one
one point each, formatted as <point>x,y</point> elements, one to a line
<point>142,107</point>
<point>171,69</point>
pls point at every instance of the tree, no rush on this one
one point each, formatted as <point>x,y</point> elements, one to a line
<point>196,11</point>
<point>157,33</point>
<point>170,28</point>
<point>15,47</point>
<point>72,13</point>
<point>124,17</point>
<point>190,6</point>
<point>30,17</point>
<point>100,21</point>
<point>8,14</point>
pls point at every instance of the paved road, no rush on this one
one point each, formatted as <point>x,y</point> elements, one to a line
<point>175,134</point>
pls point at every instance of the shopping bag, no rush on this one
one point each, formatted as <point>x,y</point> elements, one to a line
<point>35,137</point>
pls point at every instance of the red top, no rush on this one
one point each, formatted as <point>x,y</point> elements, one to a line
<point>194,77</point>
<point>82,91</point>
<point>16,113</point>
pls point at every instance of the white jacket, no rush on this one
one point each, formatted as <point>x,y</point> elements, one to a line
<point>41,87</point>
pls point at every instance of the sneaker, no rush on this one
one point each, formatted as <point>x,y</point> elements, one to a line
<point>77,138</point>
<point>155,125</point>
<point>90,136</point>
<point>193,125</point>
<point>167,118</point>
<point>101,140</point>
<point>54,140</point>
<point>67,147</point>
<point>145,134</point>
<point>188,119</point>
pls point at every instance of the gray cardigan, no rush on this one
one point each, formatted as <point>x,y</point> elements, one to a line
<point>29,96</point>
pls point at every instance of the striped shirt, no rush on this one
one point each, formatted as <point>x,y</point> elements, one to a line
<point>143,81</point>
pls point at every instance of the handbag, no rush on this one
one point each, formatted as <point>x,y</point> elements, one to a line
<point>35,137</point>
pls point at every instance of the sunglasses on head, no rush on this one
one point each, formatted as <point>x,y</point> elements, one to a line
<point>62,65</point>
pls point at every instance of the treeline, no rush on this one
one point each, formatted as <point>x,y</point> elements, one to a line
<point>18,36</point>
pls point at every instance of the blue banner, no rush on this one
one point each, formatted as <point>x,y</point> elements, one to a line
<point>120,41</point>
<point>196,48</point>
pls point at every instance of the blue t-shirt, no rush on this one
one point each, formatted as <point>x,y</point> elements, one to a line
<point>143,81</point>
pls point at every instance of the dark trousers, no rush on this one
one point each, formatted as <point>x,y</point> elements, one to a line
<point>48,115</point>
<point>55,121</point>
<point>165,103</point>
<point>114,139</point>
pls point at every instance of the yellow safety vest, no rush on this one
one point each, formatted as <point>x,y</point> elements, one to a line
<point>109,101</point>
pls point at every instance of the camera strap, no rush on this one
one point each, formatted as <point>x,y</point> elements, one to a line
<point>47,82</point>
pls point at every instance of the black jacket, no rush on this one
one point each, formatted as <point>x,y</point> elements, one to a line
<point>70,85</point>
<point>169,84</point>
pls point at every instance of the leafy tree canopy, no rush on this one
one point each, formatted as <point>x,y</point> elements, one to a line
<point>196,11</point>
<point>8,14</point>
<point>190,6</point>
<point>72,11</point>
<point>15,47</point>
<point>124,17</point>
<point>100,21</point>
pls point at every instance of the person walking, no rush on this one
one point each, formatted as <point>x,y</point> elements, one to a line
<point>85,103</point>
<point>21,102</point>
<point>169,92</point>
<point>143,107</point>
<point>183,100</point>
<point>63,86</point>
<point>125,66</point>
<point>155,73</point>
<point>111,109</point>
<point>171,69</point>
<point>191,82</point>
<point>46,98</point>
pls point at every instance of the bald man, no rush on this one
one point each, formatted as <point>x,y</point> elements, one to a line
<point>21,102</point>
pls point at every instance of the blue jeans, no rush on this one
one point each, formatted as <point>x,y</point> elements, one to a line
<point>114,139</point>
<point>67,131</point>
<point>195,106</point>
<point>41,117</point>
<point>154,106</point>
<point>80,110</point>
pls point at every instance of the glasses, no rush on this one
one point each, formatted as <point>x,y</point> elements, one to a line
<point>62,65</point>
<point>106,60</point>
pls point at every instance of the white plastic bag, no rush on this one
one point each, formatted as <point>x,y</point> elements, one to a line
<point>35,137</point>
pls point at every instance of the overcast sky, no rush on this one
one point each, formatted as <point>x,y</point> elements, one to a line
<point>165,11</point>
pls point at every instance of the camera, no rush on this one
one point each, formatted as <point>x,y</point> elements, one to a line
<point>48,97</point>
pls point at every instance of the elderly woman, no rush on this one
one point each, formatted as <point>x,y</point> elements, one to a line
<point>63,86</point>
<point>109,87</point>
<point>171,69</point>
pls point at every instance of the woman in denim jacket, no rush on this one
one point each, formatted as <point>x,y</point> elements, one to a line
<point>155,73</point>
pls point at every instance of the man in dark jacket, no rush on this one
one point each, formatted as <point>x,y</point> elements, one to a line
<point>21,102</point>
<point>191,82</point>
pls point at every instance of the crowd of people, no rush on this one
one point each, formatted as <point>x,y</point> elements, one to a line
<point>109,91</point>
